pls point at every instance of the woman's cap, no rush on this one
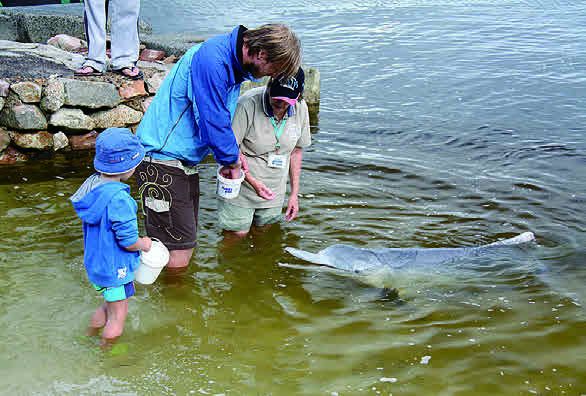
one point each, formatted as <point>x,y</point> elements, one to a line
<point>118,150</point>
<point>288,89</point>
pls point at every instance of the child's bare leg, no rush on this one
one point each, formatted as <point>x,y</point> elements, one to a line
<point>97,321</point>
<point>115,317</point>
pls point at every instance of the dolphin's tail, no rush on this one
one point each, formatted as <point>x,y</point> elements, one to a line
<point>519,239</point>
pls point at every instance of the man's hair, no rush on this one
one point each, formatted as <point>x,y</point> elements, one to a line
<point>279,42</point>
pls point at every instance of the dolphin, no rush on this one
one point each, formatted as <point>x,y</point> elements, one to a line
<point>355,260</point>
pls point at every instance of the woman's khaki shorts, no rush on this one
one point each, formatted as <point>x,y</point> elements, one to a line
<point>236,218</point>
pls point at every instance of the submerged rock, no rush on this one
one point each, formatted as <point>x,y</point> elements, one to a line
<point>11,156</point>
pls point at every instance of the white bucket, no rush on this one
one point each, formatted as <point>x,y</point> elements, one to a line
<point>228,188</point>
<point>151,263</point>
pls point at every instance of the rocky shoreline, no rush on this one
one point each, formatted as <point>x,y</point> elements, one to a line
<point>45,109</point>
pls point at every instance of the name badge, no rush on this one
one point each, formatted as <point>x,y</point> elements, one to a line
<point>277,161</point>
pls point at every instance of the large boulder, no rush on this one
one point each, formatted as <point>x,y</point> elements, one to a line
<point>27,91</point>
<point>120,116</point>
<point>53,95</point>
<point>8,28</point>
<point>33,141</point>
<point>31,61</point>
<point>172,44</point>
<point>93,95</point>
<point>23,117</point>
<point>36,26</point>
<point>71,120</point>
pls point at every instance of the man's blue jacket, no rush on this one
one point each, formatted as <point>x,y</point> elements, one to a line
<point>192,110</point>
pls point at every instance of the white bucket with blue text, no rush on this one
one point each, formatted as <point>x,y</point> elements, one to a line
<point>152,263</point>
<point>228,188</point>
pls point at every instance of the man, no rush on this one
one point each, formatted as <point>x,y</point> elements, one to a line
<point>272,128</point>
<point>191,116</point>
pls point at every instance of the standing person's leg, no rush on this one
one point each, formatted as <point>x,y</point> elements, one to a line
<point>94,17</point>
<point>125,41</point>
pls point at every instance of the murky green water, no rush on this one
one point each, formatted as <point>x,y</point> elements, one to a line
<point>442,123</point>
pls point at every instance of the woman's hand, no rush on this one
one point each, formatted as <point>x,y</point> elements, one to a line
<point>292,208</point>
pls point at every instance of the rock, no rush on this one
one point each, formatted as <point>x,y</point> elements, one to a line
<point>4,88</point>
<point>154,82</point>
<point>170,59</point>
<point>2,100</point>
<point>8,28</point>
<point>132,90</point>
<point>120,116</point>
<point>11,156</point>
<point>31,61</point>
<point>72,120</point>
<point>53,95</point>
<point>173,44</point>
<point>60,141</point>
<point>150,55</point>
<point>33,141</point>
<point>93,95</point>
<point>83,142</point>
<point>27,91</point>
<point>146,103</point>
<point>23,117</point>
<point>312,86</point>
<point>67,43</point>
<point>35,27</point>
<point>4,139</point>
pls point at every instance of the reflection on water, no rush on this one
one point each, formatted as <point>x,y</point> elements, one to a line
<point>442,124</point>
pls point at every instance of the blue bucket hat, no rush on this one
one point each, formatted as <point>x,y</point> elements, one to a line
<point>118,150</point>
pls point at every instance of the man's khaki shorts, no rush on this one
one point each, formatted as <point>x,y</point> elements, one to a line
<point>236,218</point>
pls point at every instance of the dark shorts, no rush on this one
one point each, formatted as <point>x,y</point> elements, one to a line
<point>170,204</point>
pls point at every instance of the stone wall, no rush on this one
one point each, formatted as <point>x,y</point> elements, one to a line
<point>44,108</point>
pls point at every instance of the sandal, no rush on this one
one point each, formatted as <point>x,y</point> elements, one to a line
<point>129,71</point>
<point>87,71</point>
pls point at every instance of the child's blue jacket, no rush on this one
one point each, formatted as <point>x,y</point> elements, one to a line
<point>108,213</point>
<point>192,111</point>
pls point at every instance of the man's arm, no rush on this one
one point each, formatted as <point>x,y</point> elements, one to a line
<point>294,175</point>
<point>209,82</point>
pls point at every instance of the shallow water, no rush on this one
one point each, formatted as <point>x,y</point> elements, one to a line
<point>442,123</point>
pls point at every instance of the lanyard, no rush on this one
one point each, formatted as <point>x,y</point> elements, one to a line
<point>278,129</point>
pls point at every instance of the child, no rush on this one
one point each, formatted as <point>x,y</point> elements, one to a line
<point>110,229</point>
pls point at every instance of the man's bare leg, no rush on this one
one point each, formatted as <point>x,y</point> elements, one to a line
<point>179,259</point>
